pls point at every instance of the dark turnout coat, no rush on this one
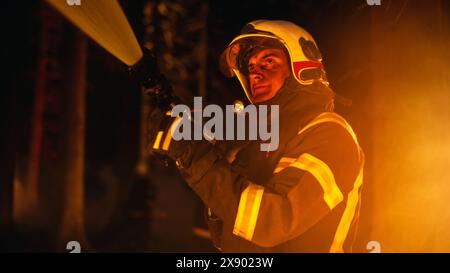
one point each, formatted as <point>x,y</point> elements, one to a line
<point>303,197</point>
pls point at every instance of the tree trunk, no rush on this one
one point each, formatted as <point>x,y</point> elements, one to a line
<point>72,225</point>
<point>203,50</point>
<point>34,159</point>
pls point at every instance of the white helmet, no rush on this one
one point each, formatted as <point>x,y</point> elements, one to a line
<point>305,57</point>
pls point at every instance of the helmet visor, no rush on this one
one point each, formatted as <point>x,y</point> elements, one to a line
<point>238,53</point>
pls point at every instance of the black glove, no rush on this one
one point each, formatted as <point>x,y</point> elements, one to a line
<point>192,156</point>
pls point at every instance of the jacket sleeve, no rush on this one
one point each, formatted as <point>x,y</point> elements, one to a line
<point>311,179</point>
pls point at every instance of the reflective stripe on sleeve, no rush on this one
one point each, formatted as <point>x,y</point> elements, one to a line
<point>321,172</point>
<point>248,211</point>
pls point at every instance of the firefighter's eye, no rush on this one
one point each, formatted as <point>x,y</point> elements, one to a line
<point>269,61</point>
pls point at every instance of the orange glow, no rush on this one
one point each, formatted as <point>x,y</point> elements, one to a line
<point>410,163</point>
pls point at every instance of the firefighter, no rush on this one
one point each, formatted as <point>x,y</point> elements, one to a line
<point>302,197</point>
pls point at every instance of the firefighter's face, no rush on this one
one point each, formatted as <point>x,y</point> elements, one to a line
<point>268,70</point>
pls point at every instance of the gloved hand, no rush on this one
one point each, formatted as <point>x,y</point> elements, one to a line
<point>159,133</point>
<point>192,156</point>
<point>156,121</point>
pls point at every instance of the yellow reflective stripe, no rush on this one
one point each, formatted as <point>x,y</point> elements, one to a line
<point>280,167</point>
<point>347,216</point>
<point>255,211</point>
<point>324,117</point>
<point>287,159</point>
<point>323,174</point>
<point>241,213</point>
<point>330,117</point>
<point>284,163</point>
<point>248,211</point>
<point>169,135</point>
<point>158,140</point>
